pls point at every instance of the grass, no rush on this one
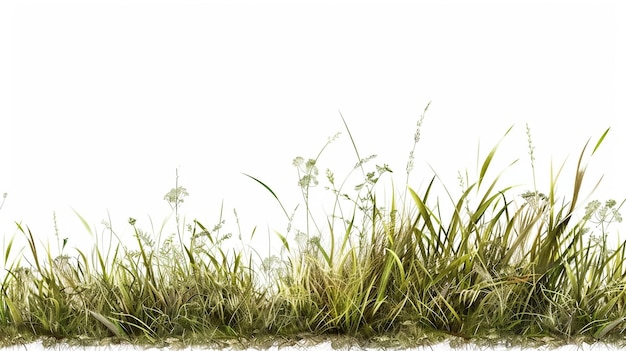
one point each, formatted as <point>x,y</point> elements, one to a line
<point>494,266</point>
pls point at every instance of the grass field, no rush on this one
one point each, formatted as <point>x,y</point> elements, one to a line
<point>489,265</point>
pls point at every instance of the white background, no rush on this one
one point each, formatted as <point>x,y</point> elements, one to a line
<point>101,102</point>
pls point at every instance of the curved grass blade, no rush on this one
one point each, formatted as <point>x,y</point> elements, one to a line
<point>271,192</point>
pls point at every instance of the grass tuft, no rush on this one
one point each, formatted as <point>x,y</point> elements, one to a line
<point>485,265</point>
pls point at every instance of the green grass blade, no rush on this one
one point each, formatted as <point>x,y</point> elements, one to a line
<point>115,328</point>
<point>600,140</point>
<point>271,192</point>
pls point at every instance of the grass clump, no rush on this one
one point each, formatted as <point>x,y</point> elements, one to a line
<point>494,265</point>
